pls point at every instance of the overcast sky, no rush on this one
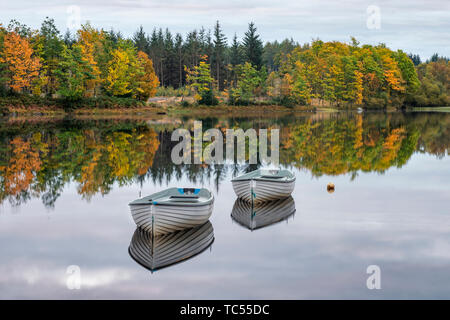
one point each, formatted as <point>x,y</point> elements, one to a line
<point>415,26</point>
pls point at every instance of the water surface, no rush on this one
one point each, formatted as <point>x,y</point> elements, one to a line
<point>65,185</point>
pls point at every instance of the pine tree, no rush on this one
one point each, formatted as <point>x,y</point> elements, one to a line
<point>218,58</point>
<point>253,47</point>
<point>170,62</point>
<point>179,52</point>
<point>415,58</point>
<point>157,54</point>
<point>69,39</point>
<point>140,40</point>
<point>235,52</point>
<point>208,46</point>
<point>434,57</point>
<point>192,49</point>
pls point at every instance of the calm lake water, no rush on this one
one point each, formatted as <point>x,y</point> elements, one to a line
<point>65,185</point>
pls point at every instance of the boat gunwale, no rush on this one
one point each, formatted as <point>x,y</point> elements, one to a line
<point>263,179</point>
<point>207,202</point>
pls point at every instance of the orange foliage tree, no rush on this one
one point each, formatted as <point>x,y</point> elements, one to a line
<point>21,64</point>
<point>148,82</point>
<point>25,161</point>
<point>89,41</point>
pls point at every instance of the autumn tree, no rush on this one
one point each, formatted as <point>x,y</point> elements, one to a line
<point>349,74</point>
<point>250,83</point>
<point>434,88</point>
<point>409,73</point>
<point>273,84</point>
<point>200,81</point>
<point>301,89</point>
<point>393,81</point>
<point>21,64</point>
<point>123,71</point>
<point>90,42</point>
<point>147,81</point>
<point>3,69</point>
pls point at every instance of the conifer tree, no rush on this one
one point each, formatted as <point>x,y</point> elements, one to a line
<point>253,47</point>
<point>218,58</point>
<point>140,40</point>
<point>52,48</point>
<point>235,52</point>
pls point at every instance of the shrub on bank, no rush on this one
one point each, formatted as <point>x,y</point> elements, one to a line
<point>171,92</point>
<point>105,102</point>
<point>186,104</point>
<point>208,99</point>
<point>25,101</point>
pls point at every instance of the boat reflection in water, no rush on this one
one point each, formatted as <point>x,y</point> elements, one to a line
<point>263,214</point>
<point>159,251</point>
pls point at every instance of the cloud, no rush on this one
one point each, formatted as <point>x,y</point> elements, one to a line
<point>415,26</point>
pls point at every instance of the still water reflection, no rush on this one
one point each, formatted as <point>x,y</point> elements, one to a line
<point>157,252</point>
<point>260,215</point>
<point>65,185</point>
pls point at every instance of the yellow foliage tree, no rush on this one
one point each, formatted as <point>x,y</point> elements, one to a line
<point>89,41</point>
<point>392,73</point>
<point>358,87</point>
<point>273,83</point>
<point>120,73</point>
<point>286,85</point>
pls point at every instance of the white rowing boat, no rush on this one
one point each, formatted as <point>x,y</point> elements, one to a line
<point>262,214</point>
<point>172,209</point>
<point>264,185</point>
<point>156,252</point>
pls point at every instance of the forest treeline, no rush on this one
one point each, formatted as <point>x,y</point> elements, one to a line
<point>99,64</point>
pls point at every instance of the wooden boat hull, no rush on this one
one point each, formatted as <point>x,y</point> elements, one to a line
<point>162,219</point>
<point>262,214</point>
<point>261,191</point>
<point>156,252</point>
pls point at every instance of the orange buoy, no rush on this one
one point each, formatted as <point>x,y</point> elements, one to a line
<point>330,187</point>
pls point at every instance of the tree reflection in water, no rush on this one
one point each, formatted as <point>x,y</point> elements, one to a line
<point>37,159</point>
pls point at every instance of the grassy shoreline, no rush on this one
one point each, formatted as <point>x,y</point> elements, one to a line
<point>156,109</point>
<point>178,109</point>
